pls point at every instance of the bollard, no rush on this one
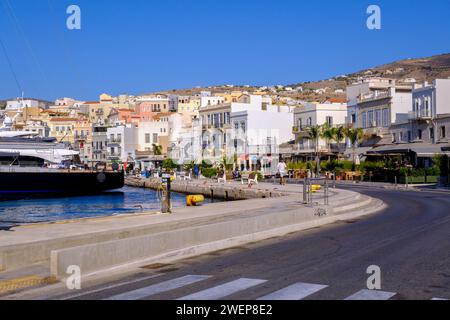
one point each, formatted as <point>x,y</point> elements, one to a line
<point>305,191</point>
<point>166,206</point>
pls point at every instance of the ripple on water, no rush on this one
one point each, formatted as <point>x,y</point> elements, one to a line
<point>127,201</point>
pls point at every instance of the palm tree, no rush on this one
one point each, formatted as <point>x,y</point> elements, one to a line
<point>314,135</point>
<point>354,135</point>
<point>339,137</point>
<point>328,133</point>
<point>157,150</point>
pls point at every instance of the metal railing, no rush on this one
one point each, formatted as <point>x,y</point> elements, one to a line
<point>309,188</point>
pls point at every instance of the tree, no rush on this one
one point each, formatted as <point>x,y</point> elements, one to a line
<point>354,135</point>
<point>339,137</point>
<point>169,164</point>
<point>328,133</point>
<point>314,134</point>
<point>157,150</point>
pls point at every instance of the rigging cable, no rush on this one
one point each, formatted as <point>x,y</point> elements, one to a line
<point>11,66</point>
<point>20,30</point>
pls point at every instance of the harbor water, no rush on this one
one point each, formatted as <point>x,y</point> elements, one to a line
<point>127,200</point>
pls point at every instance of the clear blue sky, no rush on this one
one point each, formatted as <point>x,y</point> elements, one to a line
<point>139,46</point>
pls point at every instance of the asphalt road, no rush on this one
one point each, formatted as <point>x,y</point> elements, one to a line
<point>409,241</point>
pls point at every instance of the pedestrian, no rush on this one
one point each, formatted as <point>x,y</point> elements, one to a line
<point>282,171</point>
<point>196,171</point>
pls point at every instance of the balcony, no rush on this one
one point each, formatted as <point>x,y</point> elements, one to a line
<point>114,140</point>
<point>421,116</point>
<point>374,96</point>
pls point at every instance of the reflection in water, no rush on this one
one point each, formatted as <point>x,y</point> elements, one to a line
<point>127,201</point>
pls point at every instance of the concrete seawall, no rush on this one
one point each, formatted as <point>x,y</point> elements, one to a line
<point>207,188</point>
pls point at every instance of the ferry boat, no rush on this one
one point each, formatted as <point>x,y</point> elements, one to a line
<point>31,166</point>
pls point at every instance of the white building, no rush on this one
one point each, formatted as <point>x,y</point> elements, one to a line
<point>430,100</point>
<point>185,139</point>
<point>206,101</point>
<point>258,128</point>
<point>154,132</point>
<point>15,105</point>
<point>122,142</point>
<point>376,103</point>
<point>316,114</point>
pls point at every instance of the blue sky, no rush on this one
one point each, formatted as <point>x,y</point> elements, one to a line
<point>139,46</point>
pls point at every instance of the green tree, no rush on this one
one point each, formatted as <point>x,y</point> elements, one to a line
<point>354,135</point>
<point>314,135</point>
<point>169,164</point>
<point>327,133</point>
<point>339,137</point>
<point>157,150</point>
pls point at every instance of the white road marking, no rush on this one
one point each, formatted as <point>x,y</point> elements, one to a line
<point>437,299</point>
<point>366,294</point>
<point>111,287</point>
<point>159,288</point>
<point>223,290</point>
<point>296,291</point>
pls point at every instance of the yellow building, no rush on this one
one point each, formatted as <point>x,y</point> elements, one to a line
<point>98,111</point>
<point>188,105</point>
<point>230,96</point>
<point>62,129</point>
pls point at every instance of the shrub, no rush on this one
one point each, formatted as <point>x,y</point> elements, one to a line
<point>209,172</point>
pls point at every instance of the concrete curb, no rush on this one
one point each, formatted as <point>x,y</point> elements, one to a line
<point>196,240</point>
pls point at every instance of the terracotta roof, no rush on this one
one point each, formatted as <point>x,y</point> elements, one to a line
<point>64,119</point>
<point>338,100</point>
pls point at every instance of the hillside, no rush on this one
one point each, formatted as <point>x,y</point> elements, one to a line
<point>420,69</point>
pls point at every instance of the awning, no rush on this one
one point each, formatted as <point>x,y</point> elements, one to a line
<point>424,150</point>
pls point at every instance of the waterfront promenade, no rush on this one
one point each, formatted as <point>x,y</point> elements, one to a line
<point>112,244</point>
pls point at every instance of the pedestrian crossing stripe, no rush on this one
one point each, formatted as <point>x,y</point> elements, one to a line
<point>296,291</point>
<point>366,294</point>
<point>224,290</point>
<point>159,288</point>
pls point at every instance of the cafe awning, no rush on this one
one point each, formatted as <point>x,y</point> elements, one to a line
<point>424,150</point>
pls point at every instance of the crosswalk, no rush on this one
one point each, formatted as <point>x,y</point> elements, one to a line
<point>226,289</point>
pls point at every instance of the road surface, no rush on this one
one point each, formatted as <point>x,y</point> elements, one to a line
<point>409,241</point>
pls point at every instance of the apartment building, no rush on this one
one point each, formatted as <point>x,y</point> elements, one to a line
<point>257,130</point>
<point>316,114</point>
<point>376,103</point>
<point>99,143</point>
<point>122,143</point>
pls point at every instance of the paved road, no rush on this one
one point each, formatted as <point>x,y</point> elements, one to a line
<point>409,241</point>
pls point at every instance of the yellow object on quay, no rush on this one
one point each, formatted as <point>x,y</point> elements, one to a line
<point>193,200</point>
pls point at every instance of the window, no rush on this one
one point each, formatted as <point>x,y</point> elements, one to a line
<point>155,138</point>
<point>243,126</point>
<point>378,118</point>
<point>419,134</point>
<point>300,124</point>
<point>431,134</point>
<point>147,138</point>
<point>370,119</point>
<point>364,120</point>
<point>409,135</point>
<point>236,126</point>
<point>394,137</point>
<point>442,130</point>
<point>119,137</point>
<point>386,120</point>
<point>329,121</point>
<point>309,121</point>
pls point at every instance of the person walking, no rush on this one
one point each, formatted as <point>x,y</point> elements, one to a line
<point>281,168</point>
